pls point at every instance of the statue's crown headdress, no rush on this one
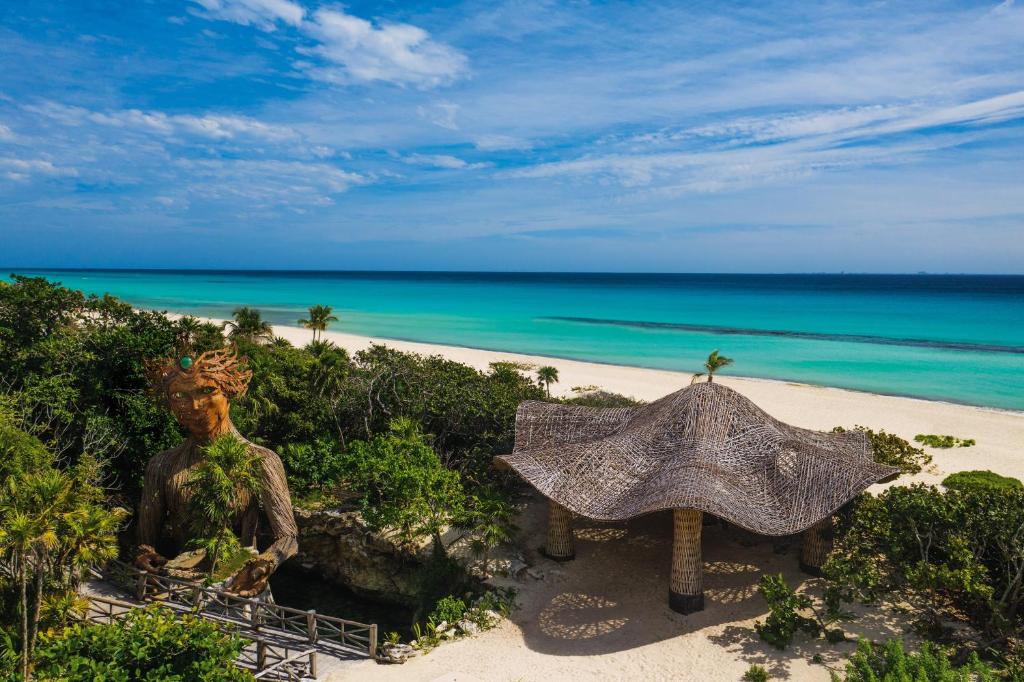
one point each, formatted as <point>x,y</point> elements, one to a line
<point>223,366</point>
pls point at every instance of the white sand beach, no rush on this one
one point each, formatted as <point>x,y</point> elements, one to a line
<point>604,616</point>
<point>999,433</point>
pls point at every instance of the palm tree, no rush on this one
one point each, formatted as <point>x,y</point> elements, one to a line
<point>714,363</point>
<point>228,476</point>
<point>29,534</point>
<point>319,317</point>
<point>546,376</point>
<point>188,329</point>
<point>491,522</point>
<point>249,325</point>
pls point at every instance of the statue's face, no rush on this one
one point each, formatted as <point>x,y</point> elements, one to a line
<point>198,404</point>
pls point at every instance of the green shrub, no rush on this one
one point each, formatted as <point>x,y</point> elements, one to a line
<point>981,481</point>
<point>932,440</point>
<point>755,673</point>
<point>403,483</point>
<point>891,663</point>
<point>888,448</point>
<point>940,552</point>
<point>450,609</point>
<point>786,616</point>
<point>312,467</point>
<point>149,644</point>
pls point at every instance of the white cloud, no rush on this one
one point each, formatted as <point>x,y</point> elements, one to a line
<point>6,134</point>
<point>501,142</point>
<point>440,114</point>
<point>269,183</point>
<point>209,126</point>
<point>263,14</point>
<point>402,54</point>
<point>21,169</point>
<point>442,161</point>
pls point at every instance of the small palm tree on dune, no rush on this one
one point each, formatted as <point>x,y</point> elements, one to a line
<point>714,363</point>
<point>319,317</point>
<point>248,324</point>
<point>547,376</point>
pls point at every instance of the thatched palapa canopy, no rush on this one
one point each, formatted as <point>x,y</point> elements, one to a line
<point>705,448</point>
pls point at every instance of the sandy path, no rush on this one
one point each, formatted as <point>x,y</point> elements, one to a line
<point>604,616</point>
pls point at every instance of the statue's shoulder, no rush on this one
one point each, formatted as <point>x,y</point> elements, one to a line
<point>160,459</point>
<point>264,453</point>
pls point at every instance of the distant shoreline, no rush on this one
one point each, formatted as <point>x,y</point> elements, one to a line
<point>348,340</point>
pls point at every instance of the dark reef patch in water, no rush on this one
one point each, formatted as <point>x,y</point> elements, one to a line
<point>817,336</point>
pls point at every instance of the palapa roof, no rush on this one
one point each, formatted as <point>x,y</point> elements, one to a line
<point>704,447</point>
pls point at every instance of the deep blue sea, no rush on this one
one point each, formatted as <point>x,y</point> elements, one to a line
<point>943,337</point>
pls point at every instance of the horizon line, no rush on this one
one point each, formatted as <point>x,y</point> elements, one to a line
<point>920,273</point>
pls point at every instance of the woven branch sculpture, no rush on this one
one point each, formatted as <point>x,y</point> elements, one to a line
<point>197,391</point>
<point>704,448</point>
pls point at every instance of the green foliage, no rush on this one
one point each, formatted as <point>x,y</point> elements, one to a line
<point>786,613</point>
<point>935,441</point>
<point>755,673</point>
<point>888,448</point>
<point>489,518</point>
<point>958,551</point>
<point>981,481</point>
<point>312,468</point>
<point>448,609</point>
<point>223,481</point>
<point>52,528</point>
<point>73,368</point>
<point>248,325</point>
<point>403,483</point>
<point>149,645</point>
<point>588,396</point>
<point>891,663</point>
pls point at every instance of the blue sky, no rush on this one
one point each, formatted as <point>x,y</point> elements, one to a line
<point>521,135</point>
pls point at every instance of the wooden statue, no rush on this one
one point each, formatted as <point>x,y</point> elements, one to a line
<point>198,390</point>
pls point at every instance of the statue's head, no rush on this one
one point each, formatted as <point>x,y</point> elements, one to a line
<point>197,389</point>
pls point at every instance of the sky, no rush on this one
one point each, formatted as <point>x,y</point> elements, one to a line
<point>513,135</point>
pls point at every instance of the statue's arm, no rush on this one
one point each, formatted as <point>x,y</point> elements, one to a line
<point>151,514</point>
<point>277,505</point>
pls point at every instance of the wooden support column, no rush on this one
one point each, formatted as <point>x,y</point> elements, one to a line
<point>686,586</point>
<point>560,544</point>
<point>817,543</point>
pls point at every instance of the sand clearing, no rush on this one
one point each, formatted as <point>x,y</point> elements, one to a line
<point>604,616</point>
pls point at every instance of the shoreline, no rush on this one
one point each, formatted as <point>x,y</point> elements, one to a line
<point>999,432</point>
<point>348,340</point>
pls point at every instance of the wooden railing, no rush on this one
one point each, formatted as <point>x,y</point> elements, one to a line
<point>267,658</point>
<point>335,635</point>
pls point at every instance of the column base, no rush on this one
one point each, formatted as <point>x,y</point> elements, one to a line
<point>685,603</point>
<point>568,557</point>
<point>811,570</point>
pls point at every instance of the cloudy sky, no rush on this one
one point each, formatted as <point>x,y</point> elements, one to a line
<point>519,135</point>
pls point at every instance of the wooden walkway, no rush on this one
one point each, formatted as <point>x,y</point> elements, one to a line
<point>282,643</point>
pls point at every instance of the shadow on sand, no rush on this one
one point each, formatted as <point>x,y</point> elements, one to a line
<point>614,595</point>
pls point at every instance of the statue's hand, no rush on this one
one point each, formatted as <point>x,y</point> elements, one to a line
<point>149,560</point>
<point>252,578</point>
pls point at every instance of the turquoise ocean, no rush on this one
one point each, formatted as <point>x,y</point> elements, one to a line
<point>942,337</point>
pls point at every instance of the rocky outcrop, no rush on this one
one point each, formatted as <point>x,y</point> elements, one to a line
<point>337,545</point>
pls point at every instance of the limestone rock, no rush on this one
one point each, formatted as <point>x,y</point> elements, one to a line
<point>337,545</point>
<point>396,653</point>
